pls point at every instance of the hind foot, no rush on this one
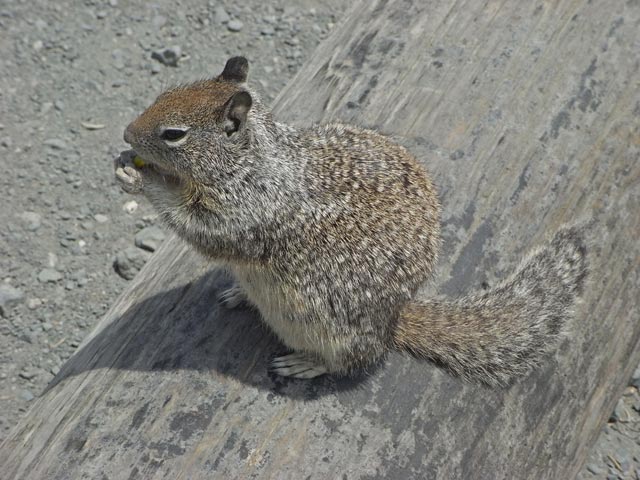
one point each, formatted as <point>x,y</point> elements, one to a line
<point>297,365</point>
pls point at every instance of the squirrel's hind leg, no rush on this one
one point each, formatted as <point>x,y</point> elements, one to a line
<point>297,365</point>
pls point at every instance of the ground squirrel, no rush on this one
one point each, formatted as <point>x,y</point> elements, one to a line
<point>329,231</point>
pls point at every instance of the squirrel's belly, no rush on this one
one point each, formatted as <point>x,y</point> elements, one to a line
<point>280,308</point>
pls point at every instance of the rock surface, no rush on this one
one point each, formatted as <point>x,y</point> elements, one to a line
<point>62,215</point>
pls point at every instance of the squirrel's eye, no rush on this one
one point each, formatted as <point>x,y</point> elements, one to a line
<point>173,134</point>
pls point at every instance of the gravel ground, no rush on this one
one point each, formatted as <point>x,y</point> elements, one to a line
<point>72,75</point>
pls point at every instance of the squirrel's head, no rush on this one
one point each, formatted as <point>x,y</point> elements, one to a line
<point>191,128</point>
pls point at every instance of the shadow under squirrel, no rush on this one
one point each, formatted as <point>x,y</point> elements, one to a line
<point>329,231</point>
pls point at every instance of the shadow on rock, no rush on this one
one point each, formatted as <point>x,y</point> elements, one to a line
<point>185,329</point>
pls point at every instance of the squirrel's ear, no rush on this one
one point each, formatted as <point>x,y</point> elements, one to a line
<point>236,70</point>
<point>235,112</point>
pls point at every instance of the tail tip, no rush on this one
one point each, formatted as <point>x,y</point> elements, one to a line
<point>571,246</point>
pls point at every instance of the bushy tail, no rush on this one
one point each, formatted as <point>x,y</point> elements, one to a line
<point>498,336</point>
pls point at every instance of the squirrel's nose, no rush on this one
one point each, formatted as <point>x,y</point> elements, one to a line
<point>128,134</point>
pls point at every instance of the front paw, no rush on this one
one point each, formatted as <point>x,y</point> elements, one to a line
<point>233,297</point>
<point>128,176</point>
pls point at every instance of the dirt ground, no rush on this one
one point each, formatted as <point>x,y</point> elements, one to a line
<point>72,75</point>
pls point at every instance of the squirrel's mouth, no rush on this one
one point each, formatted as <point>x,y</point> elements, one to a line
<point>160,167</point>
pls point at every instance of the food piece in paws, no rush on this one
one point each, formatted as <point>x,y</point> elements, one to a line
<point>138,161</point>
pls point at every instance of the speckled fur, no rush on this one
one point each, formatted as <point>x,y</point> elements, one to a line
<point>330,230</point>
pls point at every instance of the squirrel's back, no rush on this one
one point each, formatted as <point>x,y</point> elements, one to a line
<point>374,193</point>
<point>373,203</point>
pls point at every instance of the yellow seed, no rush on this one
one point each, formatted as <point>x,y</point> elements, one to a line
<point>138,161</point>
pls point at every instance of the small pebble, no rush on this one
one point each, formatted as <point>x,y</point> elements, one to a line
<point>100,218</point>
<point>33,303</point>
<point>149,238</point>
<point>79,274</point>
<point>9,297</point>
<point>159,21</point>
<point>30,337</point>
<point>595,469</point>
<point>235,25</point>
<point>49,275</point>
<point>56,143</point>
<point>27,374</point>
<point>32,220</point>
<point>52,259</point>
<point>130,207</point>
<point>118,59</point>
<point>26,395</point>
<point>129,262</point>
<point>618,413</point>
<point>220,15</point>
<point>168,56</point>
<point>45,108</point>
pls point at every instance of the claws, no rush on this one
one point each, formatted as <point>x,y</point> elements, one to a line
<point>132,172</point>
<point>233,297</point>
<point>297,365</point>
